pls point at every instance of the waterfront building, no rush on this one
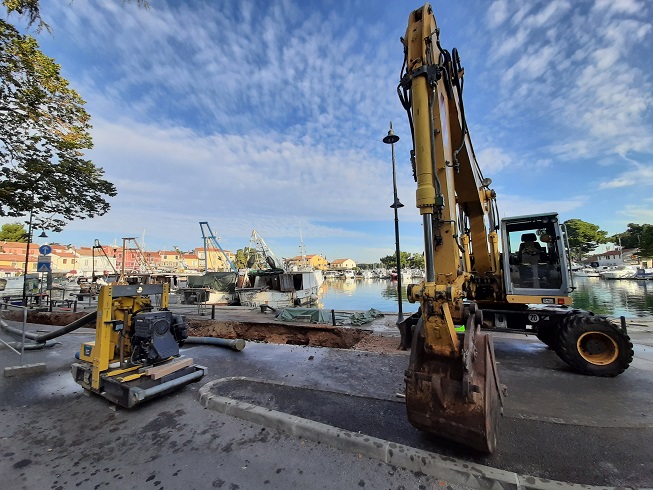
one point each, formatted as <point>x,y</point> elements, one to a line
<point>342,264</point>
<point>316,261</point>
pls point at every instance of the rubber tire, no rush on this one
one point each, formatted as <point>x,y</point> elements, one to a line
<point>575,325</point>
<point>548,336</point>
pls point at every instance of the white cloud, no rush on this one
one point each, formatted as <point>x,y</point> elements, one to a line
<point>493,159</point>
<point>638,174</point>
<point>498,12</point>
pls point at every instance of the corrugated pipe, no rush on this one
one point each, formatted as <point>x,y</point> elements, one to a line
<point>234,344</point>
<point>42,338</point>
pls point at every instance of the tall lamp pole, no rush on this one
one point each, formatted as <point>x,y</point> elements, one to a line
<point>29,241</point>
<point>391,139</point>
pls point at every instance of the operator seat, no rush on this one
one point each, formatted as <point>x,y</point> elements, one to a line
<point>529,249</point>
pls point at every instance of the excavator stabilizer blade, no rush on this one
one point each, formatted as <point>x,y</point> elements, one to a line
<point>444,399</point>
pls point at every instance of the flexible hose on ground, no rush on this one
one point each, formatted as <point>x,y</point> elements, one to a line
<point>42,338</point>
<point>31,346</point>
<point>234,344</point>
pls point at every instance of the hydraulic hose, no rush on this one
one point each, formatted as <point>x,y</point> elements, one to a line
<point>42,338</point>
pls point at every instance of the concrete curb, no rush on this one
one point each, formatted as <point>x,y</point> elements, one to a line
<point>445,468</point>
<point>24,369</point>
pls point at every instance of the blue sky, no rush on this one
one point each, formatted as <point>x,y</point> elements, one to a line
<point>270,115</point>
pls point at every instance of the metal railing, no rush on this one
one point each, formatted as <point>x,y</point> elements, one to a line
<point>6,306</point>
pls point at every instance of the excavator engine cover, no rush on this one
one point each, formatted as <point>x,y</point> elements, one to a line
<point>460,400</point>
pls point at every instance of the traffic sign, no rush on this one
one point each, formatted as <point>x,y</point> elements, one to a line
<point>45,249</point>
<point>44,267</point>
<point>44,263</point>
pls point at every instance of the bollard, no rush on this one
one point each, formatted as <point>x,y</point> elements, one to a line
<point>333,317</point>
<point>212,312</point>
<point>75,307</point>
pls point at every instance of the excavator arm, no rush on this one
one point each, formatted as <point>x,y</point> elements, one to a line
<point>452,386</point>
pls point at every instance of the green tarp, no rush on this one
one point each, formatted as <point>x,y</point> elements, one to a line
<point>220,281</point>
<point>315,315</point>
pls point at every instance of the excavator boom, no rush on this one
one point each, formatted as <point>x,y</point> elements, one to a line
<point>452,386</point>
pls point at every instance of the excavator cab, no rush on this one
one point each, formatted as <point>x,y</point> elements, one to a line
<point>535,263</point>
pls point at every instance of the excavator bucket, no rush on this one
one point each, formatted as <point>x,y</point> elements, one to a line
<point>457,399</point>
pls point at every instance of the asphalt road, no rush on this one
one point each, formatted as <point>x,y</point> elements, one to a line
<point>558,424</point>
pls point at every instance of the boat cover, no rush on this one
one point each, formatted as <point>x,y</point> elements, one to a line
<point>219,281</point>
<point>316,315</point>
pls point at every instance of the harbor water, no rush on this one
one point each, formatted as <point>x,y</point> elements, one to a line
<point>630,298</point>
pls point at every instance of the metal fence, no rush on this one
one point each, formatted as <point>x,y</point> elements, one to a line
<point>6,307</point>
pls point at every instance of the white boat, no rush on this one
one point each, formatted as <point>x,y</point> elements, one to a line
<point>644,274</point>
<point>620,272</point>
<point>280,289</point>
<point>348,274</point>
<point>587,272</point>
<point>64,288</point>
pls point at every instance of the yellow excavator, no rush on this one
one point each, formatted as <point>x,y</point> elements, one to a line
<point>510,274</point>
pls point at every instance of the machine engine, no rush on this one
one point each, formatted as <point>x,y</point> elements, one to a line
<point>157,336</point>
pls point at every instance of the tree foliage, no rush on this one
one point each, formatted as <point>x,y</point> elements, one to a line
<point>13,232</point>
<point>44,130</point>
<point>584,237</point>
<point>32,10</point>
<point>630,238</point>
<point>243,254</point>
<point>636,236</point>
<point>407,260</point>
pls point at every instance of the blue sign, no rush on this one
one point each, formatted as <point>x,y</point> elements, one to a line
<point>44,267</point>
<point>45,249</point>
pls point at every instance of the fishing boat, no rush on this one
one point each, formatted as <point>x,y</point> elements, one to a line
<point>279,289</point>
<point>210,288</point>
<point>270,284</point>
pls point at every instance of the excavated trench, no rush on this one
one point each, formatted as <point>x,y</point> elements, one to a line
<point>310,335</point>
<point>44,317</point>
<point>278,333</point>
<point>273,332</point>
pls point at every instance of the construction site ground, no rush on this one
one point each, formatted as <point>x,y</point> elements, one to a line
<point>557,425</point>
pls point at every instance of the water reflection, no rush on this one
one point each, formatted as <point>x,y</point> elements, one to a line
<point>615,298</point>
<point>622,297</point>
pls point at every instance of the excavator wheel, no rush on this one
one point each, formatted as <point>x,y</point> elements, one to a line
<point>592,345</point>
<point>435,398</point>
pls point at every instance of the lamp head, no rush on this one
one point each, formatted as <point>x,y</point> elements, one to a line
<point>391,138</point>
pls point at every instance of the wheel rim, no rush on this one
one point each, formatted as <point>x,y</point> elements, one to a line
<point>597,348</point>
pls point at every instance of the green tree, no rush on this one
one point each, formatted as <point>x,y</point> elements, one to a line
<point>13,232</point>
<point>646,241</point>
<point>43,133</point>
<point>416,261</point>
<point>584,237</point>
<point>243,254</point>
<point>32,10</point>
<point>390,261</point>
<point>631,238</point>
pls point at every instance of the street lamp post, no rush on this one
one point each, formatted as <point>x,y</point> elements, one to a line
<point>29,241</point>
<point>391,139</point>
